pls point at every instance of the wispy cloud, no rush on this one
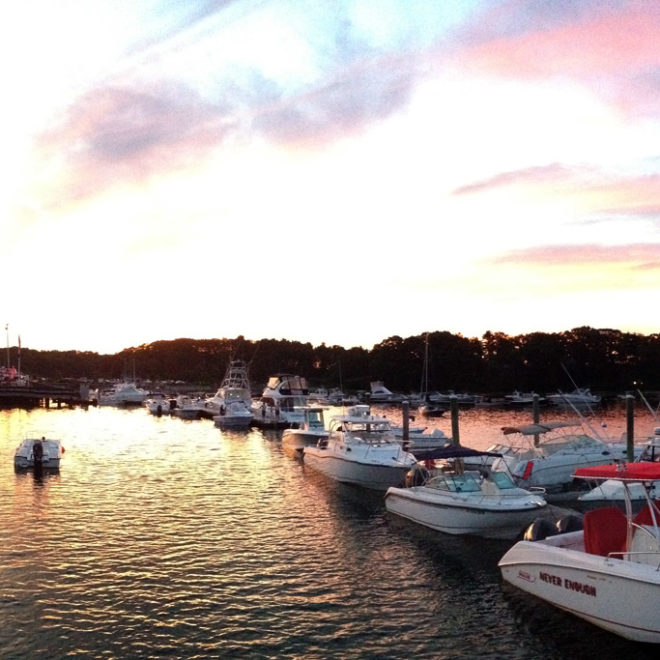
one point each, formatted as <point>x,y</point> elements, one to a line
<point>642,256</point>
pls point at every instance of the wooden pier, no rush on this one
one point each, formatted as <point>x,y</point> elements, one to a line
<point>44,394</point>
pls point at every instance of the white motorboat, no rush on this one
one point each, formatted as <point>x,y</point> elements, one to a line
<point>425,441</point>
<point>159,404</point>
<point>361,449</point>
<point>381,394</point>
<point>38,453</point>
<point>517,398</point>
<point>231,405</point>
<point>581,396</point>
<point>549,463</point>
<point>308,433</point>
<point>282,402</point>
<point>191,407</point>
<point>476,502</point>
<point>607,573</point>
<point>612,491</point>
<point>126,393</point>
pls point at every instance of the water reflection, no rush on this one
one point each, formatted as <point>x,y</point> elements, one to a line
<point>168,537</point>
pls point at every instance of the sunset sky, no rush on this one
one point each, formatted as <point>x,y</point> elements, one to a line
<point>338,171</point>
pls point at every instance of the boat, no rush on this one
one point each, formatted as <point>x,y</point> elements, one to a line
<point>125,393</point>
<point>611,491</point>
<point>421,440</point>
<point>191,407</point>
<point>47,451</point>
<point>606,573</point>
<point>550,461</point>
<point>517,398</point>
<point>381,394</point>
<point>310,431</point>
<point>455,501</point>
<point>159,404</point>
<point>427,407</point>
<point>361,449</point>
<point>580,396</point>
<point>282,402</point>
<point>231,405</point>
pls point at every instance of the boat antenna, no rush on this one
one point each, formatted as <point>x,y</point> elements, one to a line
<point>648,405</point>
<point>583,419</point>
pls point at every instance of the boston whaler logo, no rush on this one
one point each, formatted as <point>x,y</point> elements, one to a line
<point>573,585</point>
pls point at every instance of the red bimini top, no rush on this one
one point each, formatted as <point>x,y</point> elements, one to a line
<point>643,471</point>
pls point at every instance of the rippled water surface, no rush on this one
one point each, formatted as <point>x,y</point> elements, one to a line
<point>168,538</point>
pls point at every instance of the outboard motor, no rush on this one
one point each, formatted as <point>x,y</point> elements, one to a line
<point>540,529</point>
<point>569,523</point>
<point>416,476</point>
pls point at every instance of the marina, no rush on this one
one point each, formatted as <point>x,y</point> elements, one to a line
<point>167,537</point>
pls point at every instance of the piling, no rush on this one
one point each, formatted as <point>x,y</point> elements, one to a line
<point>405,412</point>
<point>453,406</point>
<point>630,427</point>
<point>536,417</point>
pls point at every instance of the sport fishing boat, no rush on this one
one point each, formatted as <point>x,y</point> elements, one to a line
<point>361,449</point>
<point>457,501</point>
<point>34,453</point>
<point>231,405</point>
<point>607,573</point>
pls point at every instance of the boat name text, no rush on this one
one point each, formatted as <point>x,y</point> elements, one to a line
<point>573,585</point>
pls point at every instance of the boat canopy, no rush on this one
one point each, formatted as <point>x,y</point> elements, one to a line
<point>621,472</point>
<point>536,429</point>
<point>440,453</point>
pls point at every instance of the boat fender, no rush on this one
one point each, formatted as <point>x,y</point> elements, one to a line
<point>540,529</point>
<point>528,470</point>
<point>569,523</point>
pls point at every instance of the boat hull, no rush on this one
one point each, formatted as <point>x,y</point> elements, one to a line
<point>368,475</point>
<point>298,439</point>
<point>459,517</point>
<point>24,463</point>
<point>619,596</point>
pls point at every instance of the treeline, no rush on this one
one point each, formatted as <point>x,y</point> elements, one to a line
<point>608,361</point>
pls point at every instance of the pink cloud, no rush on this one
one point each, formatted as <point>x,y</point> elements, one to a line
<point>535,175</point>
<point>121,135</point>
<point>642,256</point>
<point>612,48</point>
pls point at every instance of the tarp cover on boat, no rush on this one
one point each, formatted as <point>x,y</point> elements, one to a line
<point>449,452</point>
<point>621,472</point>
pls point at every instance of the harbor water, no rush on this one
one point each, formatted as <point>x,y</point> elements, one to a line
<point>165,538</point>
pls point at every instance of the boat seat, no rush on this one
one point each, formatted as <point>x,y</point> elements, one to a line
<point>605,531</point>
<point>643,517</point>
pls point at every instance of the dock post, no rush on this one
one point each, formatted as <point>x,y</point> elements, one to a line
<point>536,416</point>
<point>453,405</point>
<point>630,427</point>
<point>405,412</point>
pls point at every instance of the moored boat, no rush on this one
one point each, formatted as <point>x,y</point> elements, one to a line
<point>38,454</point>
<point>457,501</point>
<point>282,402</point>
<point>361,449</point>
<point>311,430</point>
<point>606,573</point>
<point>231,405</point>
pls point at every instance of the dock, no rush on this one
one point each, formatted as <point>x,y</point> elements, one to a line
<point>44,394</point>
